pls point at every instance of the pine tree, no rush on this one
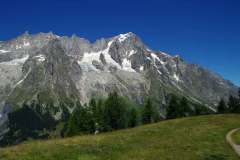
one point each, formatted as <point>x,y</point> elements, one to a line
<point>86,123</point>
<point>184,109</point>
<point>115,114</point>
<point>238,93</point>
<point>109,114</point>
<point>33,105</point>
<point>22,124</point>
<point>133,118</point>
<point>233,104</point>
<point>123,116</point>
<point>99,117</point>
<point>48,117</point>
<point>222,107</point>
<point>81,121</point>
<point>65,112</point>
<point>239,98</point>
<point>93,105</point>
<point>72,125</point>
<point>172,109</point>
<point>200,109</point>
<point>147,112</point>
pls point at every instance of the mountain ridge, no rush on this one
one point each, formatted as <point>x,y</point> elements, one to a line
<point>123,63</point>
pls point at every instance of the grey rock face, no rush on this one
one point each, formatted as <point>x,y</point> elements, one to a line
<point>55,69</point>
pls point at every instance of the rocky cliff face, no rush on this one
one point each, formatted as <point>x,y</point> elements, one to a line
<point>53,69</point>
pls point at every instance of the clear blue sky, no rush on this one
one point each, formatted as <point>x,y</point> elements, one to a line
<point>206,32</point>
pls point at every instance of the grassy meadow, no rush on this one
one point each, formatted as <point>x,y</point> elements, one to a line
<point>194,138</point>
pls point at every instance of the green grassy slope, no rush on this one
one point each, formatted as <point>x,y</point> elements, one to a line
<point>195,138</point>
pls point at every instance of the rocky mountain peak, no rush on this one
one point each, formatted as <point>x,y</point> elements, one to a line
<point>75,67</point>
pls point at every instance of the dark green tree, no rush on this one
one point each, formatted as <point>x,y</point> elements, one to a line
<point>238,93</point>
<point>38,108</point>
<point>93,105</point>
<point>233,104</point>
<point>48,116</point>
<point>23,123</point>
<point>133,120</point>
<point>222,107</point>
<point>172,109</point>
<point>65,112</point>
<point>86,121</point>
<point>147,115</point>
<point>25,118</point>
<point>99,119</point>
<point>239,98</point>
<point>81,121</point>
<point>72,125</point>
<point>184,109</point>
<point>115,113</point>
<point>33,104</point>
<point>93,109</point>
<point>200,109</point>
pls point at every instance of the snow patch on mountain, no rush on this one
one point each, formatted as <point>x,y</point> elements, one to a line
<point>148,58</point>
<point>176,77</point>
<point>25,44</point>
<point>132,52</point>
<point>86,67</point>
<point>165,54</point>
<point>40,58</point>
<point>155,57</point>
<point>16,61</point>
<point>18,46</point>
<point>89,57</point>
<point>123,37</point>
<point>4,51</point>
<point>126,65</point>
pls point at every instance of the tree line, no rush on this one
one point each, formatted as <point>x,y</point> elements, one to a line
<point>114,113</point>
<point>102,115</point>
<point>232,106</point>
<point>182,107</point>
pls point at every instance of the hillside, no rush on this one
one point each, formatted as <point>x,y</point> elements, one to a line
<point>198,138</point>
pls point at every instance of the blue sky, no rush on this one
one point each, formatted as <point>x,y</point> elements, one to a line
<point>206,32</point>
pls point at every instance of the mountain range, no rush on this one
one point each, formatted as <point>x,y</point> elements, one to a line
<point>56,69</point>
